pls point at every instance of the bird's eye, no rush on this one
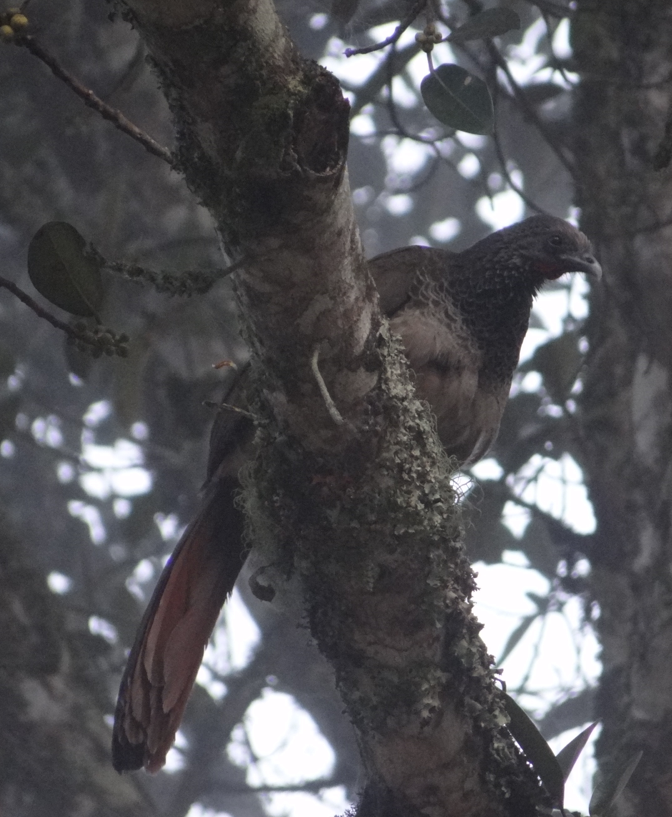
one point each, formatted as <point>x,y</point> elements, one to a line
<point>555,240</point>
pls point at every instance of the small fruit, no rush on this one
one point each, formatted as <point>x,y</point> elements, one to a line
<point>18,22</point>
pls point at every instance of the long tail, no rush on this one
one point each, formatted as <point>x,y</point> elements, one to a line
<point>175,629</point>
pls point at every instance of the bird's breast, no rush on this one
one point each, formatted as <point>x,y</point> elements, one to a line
<point>448,365</point>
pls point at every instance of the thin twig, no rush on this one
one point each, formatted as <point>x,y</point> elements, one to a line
<point>369,90</point>
<point>92,101</point>
<point>187,283</point>
<point>416,8</point>
<point>392,110</point>
<point>334,413</point>
<point>649,228</point>
<point>433,143</point>
<point>528,108</point>
<point>38,310</point>
<point>310,786</point>
<point>556,63</point>
<point>57,453</point>
<point>100,340</point>
<point>420,183</point>
<point>507,175</point>
<point>244,259</point>
<point>228,407</point>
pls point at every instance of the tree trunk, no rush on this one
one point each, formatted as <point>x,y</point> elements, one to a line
<point>623,53</point>
<point>350,492</point>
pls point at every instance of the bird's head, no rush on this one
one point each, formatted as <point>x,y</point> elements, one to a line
<point>548,247</point>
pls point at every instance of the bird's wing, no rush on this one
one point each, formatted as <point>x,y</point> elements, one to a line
<point>169,645</point>
<point>394,272</point>
<point>446,357</point>
<point>439,346</point>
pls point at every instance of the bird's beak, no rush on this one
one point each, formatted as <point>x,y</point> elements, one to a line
<point>584,263</point>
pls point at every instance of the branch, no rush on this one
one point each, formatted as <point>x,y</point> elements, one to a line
<point>369,90</point>
<point>404,23</point>
<point>92,101</point>
<point>188,282</point>
<point>501,158</point>
<point>38,310</point>
<point>98,340</point>
<point>529,110</point>
<point>334,413</point>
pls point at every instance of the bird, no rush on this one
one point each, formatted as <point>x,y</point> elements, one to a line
<point>462,317</point>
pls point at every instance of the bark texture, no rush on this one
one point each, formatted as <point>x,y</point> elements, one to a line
<point>355,502</point>
<point>624,55</point>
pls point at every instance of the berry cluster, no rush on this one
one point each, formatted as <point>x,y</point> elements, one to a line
<point>428,38</point>
<point>99,340</point>
<point>12,22</point>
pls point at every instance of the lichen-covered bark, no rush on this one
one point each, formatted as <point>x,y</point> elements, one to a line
<point>355,502</point>
<point>624,55</point>
<point>262,140</point>
<point>386,588</point>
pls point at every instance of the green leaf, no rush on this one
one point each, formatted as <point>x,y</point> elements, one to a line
<point>537,751</point>
<point>487,24</point>
<point>458,99</point>
<point>62,272</point>
<point>610,789</point>
<point>569,754</point>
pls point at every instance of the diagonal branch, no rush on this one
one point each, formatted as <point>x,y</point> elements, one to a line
<point>404,23</point>
<point>92,101</point>
<point>25,298</point>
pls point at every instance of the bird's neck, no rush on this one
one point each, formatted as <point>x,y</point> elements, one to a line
<point>495,306</point>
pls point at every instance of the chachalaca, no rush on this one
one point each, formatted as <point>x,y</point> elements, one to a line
<point>462,318</point>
